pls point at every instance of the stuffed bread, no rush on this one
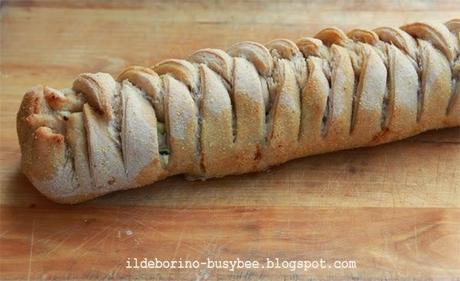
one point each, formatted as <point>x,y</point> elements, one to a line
<point>254,106</point>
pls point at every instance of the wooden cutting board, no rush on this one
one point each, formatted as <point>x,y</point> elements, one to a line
<point>393,210</point>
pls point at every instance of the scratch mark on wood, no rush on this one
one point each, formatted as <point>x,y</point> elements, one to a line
<point>179,241</point>
<point>105,237</point>
<point>3,234</point>
<point>91,238</point>
<point>415,238</point>
<point>31,249</point>
<point>68,236</point>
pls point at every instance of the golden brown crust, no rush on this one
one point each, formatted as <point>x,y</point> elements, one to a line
<point>369,95</point>
<point>181,115</point>
<point>250,108</point>
<point>254,106</point>
<point>401,110</point>
<point>284,118</point>
<point>76,138</point>
<point>338,125</point>
<point>216,120</point>
<point>98,89</point>
<point>314,105</point>
<point>437,34</point>
<point>149,81</point>
<point>139,137</point>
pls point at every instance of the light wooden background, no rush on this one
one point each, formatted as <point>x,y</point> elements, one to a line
<point>395,209</point>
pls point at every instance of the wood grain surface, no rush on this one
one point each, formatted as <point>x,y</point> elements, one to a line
<point>394,209</point>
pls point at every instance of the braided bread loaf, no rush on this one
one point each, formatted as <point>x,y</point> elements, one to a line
<point>254,106</point>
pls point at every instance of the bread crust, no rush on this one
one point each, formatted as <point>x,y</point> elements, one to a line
<point>243,110</point>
